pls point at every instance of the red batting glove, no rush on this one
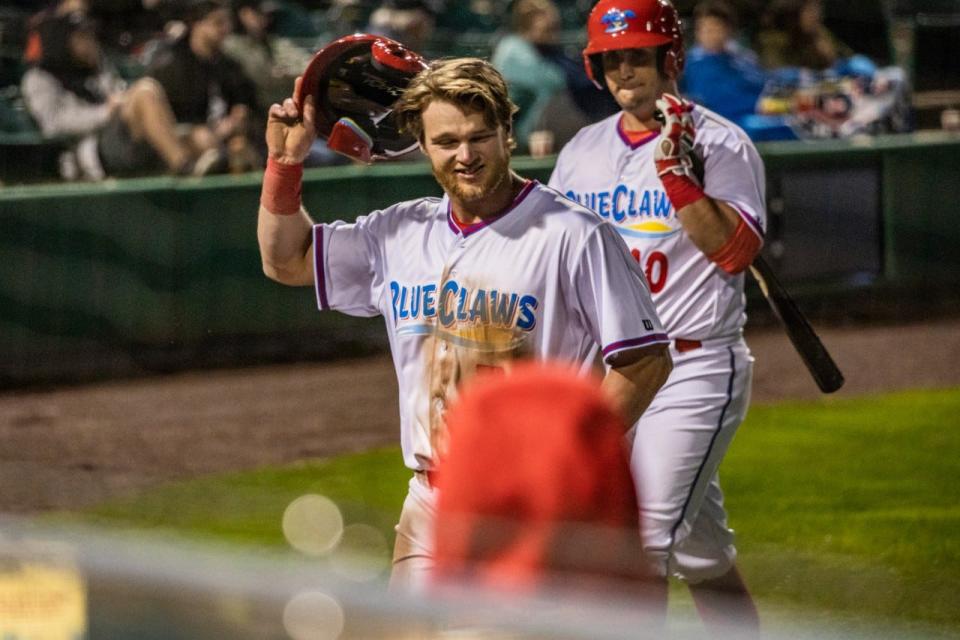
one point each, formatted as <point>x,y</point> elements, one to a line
<point>673,155</point>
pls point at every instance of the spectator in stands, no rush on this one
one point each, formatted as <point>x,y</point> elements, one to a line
<point>535,490</point>
<point>720,74</point>
<point>534,79</point>
<point>33,52</point>
<point>209,91</point>
<point>123,25</point>
<point>113,130</point>
<point>794,35</point>
<point>595,105</point>
<point>272,62</point>
<point>410,22</point>
<point>344,17</point>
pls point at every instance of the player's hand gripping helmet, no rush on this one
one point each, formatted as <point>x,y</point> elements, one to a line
<point>633,24</point>
<point>355,82</point>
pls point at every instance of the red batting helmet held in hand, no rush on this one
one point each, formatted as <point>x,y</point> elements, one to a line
<point>633,24</point>
<point>355,82</point>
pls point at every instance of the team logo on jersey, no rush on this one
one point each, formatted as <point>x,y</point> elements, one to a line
<point>462,313</point>
<point>616,20</point>
<point>649,229</point>
<point>637,214</point>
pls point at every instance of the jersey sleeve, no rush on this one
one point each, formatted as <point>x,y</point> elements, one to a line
<point>734,173</point>
<point>346,266</point>
<point>613,297</point>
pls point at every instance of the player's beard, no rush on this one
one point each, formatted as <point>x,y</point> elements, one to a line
<point>496,170</point>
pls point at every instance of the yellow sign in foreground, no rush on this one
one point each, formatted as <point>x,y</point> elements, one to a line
<point>41,601</point>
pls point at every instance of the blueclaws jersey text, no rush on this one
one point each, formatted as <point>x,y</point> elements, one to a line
<point>453,303</point>
<point>622,202</point>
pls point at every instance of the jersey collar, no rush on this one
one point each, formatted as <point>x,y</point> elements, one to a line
<point>626,139</point>
<point>477,226</point>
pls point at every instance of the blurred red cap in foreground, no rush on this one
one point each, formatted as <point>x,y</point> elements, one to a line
<point>536,487</point>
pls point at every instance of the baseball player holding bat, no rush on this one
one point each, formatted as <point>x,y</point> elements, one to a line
<point>687,196</point>
<point>498,268</point>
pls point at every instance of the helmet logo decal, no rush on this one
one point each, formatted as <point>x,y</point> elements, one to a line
<point>616,20</point>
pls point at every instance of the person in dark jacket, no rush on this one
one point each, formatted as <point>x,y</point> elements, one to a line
<point>794,36</point>
<point>207,89</point>
<point>109,129</point>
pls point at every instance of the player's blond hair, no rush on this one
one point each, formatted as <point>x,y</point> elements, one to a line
<point>471,83</point>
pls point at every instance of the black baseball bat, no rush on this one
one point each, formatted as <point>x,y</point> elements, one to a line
<point>824,370</point>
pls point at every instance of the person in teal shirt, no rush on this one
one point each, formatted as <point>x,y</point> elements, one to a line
<point>534,80</point>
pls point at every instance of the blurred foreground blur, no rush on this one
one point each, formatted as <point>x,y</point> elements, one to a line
<point>58,582</point>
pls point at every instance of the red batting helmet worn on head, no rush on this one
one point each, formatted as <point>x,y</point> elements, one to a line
<point>633,24</point>
<point>355,82</point>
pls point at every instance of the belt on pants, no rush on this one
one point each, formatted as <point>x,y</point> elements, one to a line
<point>683,345</point>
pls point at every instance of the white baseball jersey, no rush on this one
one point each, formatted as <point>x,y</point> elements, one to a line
<point>546,279</point>
<point>602,170</point>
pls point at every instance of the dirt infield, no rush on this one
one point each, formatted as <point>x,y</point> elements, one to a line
<point>77,446</point>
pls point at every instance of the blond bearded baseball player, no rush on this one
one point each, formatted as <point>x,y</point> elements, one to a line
<point>498,268</point>
<point>688,198</point>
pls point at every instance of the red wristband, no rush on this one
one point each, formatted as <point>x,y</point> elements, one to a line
<point>282,185</point>
<point>681,190</point>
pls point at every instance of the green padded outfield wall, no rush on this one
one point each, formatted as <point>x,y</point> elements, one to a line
<point>126,277</point>
<point>917,183</point>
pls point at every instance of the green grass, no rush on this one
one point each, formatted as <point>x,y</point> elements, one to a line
<point>846,507</point>
<point>247,507</point>
<point>852,505</point>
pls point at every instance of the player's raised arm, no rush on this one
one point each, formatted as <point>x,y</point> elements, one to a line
<point>284,228</point>
<point>712,225</point>
<point>649,177</point>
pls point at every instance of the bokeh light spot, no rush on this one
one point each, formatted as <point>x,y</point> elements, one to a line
<point>312,524</point>
<point>313,615</point>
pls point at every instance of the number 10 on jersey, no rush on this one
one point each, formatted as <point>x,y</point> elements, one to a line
<point>655,268</point>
